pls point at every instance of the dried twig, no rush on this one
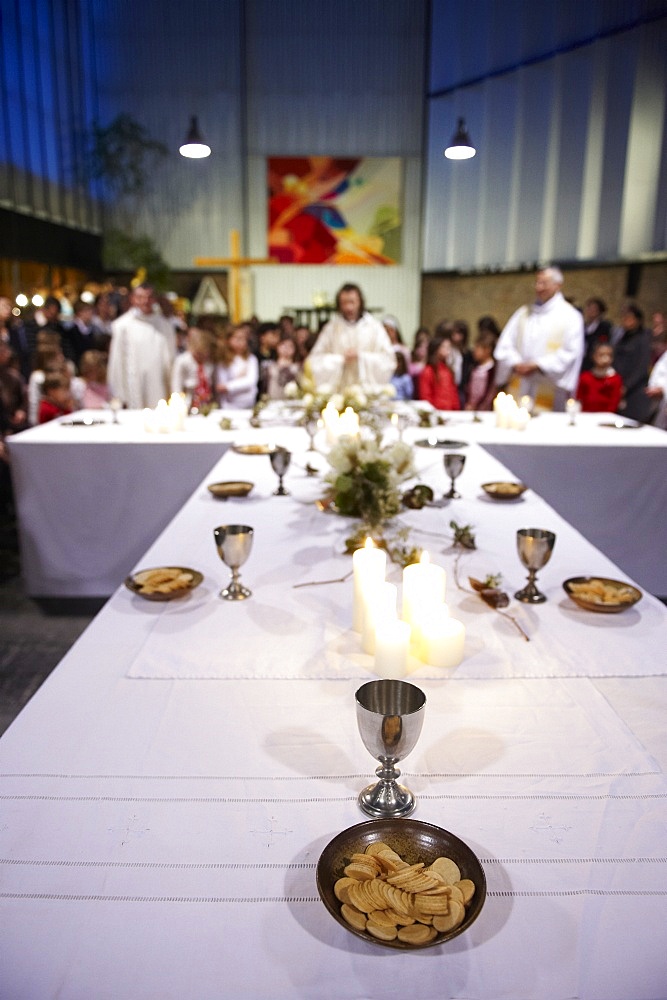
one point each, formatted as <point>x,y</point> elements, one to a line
<point>320,583</point>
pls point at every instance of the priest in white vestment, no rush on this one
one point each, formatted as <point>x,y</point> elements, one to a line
<point>141,353</point>
<point>353,348</point>
<point>540,351</point>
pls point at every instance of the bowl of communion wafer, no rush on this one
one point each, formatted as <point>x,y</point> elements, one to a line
<point>164,583</point>
<point>504,491</point>
<point>599,593</point>
<point>401,883</point>
<point>223,491</point>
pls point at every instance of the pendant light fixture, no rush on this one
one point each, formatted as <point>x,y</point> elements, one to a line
<point>461,147</point>
<point>194,146</point>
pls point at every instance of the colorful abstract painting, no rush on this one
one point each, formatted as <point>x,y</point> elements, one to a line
<point>332,210</point>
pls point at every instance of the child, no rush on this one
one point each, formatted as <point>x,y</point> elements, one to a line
<point>460,338</point>
<point>482,384</point>
<point>238,372</point>
<point>401,379</point>
<point>193,370</point>
<point>56,397</point>
<point>600,389</point>
<point>285,369</point>
<point>436,383</point>
<point>96,392</point>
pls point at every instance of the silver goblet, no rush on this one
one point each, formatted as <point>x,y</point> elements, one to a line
<point>453,467</point>
<point>234,542</point>
<point>311,425</point>
<point>535,547</point>
<point>390,715</point>
<point>280,460</point>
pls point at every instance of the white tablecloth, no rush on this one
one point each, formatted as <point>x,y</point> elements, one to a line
<point>159,837</point>
<point>610,482</point>
<point>91,498</point>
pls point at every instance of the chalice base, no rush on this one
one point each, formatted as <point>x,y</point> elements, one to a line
<point>530,595</point>
<point>387,800</point>
<point>235,592</point>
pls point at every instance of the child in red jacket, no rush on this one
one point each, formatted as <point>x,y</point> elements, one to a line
<point>56,397</point>
<point>600,389</point>
<point>436,382</point>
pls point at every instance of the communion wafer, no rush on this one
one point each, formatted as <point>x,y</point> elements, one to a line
<point>450,921</point>
<point>416,934</point>
<point>341,886</point>
<point>162,581</point>
<point>447,869</point>
<point>353,917</point>
<point>380,932</point>
<point>467,888</point>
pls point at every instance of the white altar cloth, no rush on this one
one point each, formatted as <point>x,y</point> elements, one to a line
<point>90,499</point>
<point>159,837</point>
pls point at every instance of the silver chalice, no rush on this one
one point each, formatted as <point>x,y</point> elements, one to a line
<point>390,715</point>
<point>453,467</point>
<point>280,462</point>
<point>234,542</point>
<point>312,426</point>
<point>535,547</point>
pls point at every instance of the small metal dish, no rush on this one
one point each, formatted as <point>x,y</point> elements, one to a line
<point>415,841</point>
<point>135,586</point>
<point>222,491</point>
<point>440,443</point>
<point>253,449</point>
<point>626,595</point>
<point>504,490</point>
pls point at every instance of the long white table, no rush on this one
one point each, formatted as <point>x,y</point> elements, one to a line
<point>605,475</point>
<point>168,791</point>
<point>90,499</point>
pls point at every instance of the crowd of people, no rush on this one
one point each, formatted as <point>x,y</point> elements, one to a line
<point>131,346</point>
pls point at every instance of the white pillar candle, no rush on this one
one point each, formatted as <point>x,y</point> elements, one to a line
<point>178,410</point>
<point>441,641</point>
<point>368,565</point>
<point>331,418</point>
<point>424,585</point>
<point>348,423</point>
<point>423,617</point>
<point>162,416</point>
<point>379,607</point>
<point>392,646</point>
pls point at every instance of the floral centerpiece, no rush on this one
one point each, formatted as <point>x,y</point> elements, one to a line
<point>364,482</point>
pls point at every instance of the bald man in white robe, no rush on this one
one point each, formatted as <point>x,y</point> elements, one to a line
<point>542,346</point>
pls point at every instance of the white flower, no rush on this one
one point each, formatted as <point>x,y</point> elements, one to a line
<point>337,400</point>
<point>307,399</point>
<point>325,390</point>
<point>291,390</point>
<point>401,457</point>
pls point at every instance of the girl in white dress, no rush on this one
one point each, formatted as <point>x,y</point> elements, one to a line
<point>238,372</point>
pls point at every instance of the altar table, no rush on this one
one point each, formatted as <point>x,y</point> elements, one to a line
<point>90,499</point>
<point>167,792</point>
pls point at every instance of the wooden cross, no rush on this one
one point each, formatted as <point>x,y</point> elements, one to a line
<point>234,263</point>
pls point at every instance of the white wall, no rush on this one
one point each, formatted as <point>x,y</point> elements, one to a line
<point>572,150</point>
